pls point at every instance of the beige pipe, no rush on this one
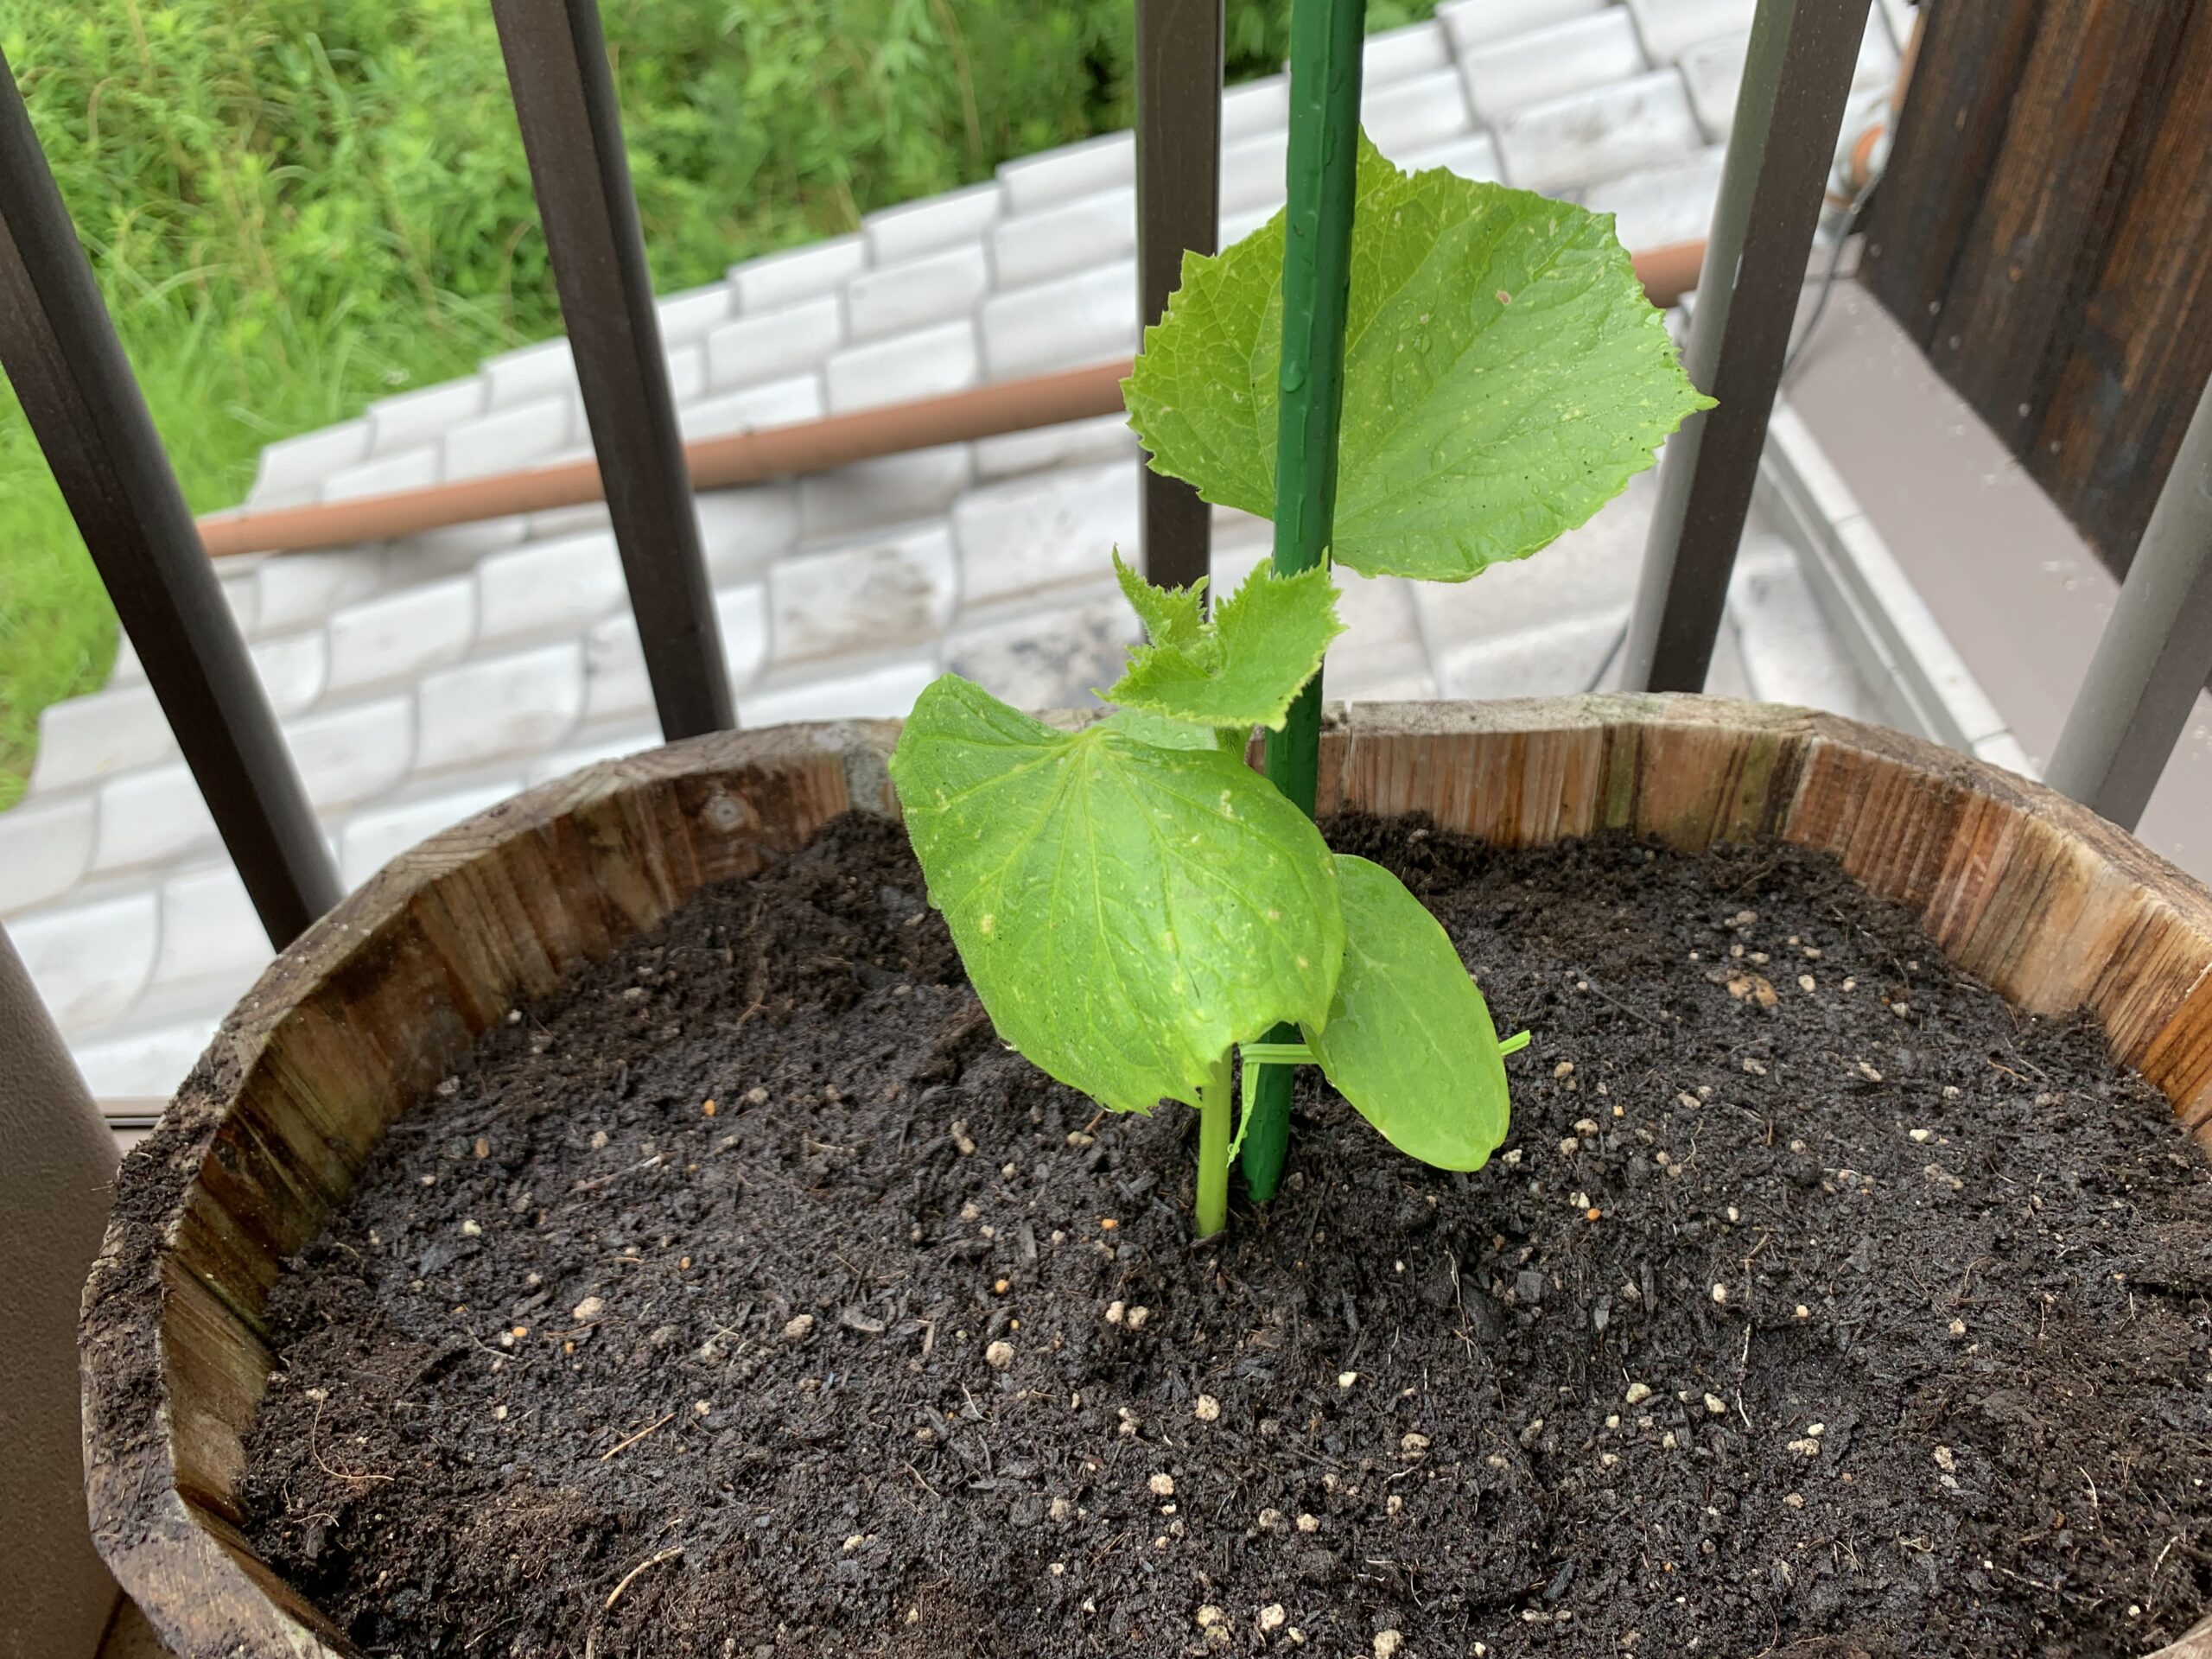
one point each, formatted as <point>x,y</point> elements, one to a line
<point>752,457</point>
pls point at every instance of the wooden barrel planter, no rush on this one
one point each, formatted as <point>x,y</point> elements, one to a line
<point>359,1020</point>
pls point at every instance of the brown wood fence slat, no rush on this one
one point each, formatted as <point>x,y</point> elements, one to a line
<point>2042,232</point>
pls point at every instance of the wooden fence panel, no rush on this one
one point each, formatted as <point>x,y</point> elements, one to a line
<point>2042,232</point>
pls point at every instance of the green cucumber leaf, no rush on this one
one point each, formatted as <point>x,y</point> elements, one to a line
<point>1409,1041</point>
<point>1504,375</point>
<point>1160,731</point>
<point>1172,616</point>
<point>1265,640</point>
<point>1126,912</point>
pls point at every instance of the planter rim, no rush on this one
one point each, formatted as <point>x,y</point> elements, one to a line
<point>2054,906</point>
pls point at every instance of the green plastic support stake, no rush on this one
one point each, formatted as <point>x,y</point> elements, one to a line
<point>1323,177</point>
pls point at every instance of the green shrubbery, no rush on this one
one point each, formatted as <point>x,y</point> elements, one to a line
<point>297,205</point>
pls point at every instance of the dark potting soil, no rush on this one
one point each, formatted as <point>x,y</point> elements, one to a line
<point>748,1298</point>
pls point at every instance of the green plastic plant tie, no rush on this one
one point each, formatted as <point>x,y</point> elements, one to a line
<point>1323,180</point>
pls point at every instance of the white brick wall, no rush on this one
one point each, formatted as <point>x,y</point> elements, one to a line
<point>742,529</point>
<point>299,590</point>
<point>895,591</point>
<point>292,669</point>
<point>1037,182</point>
<point>1658,207</point>
<point>927,363</point>
<point>1090,317</point>
<point>1512,72</point>
<point>1027,536</point>
<point>1670,27</point>
<point>868,691</point>
<point>1473,23</point>
<point>99,735</point>
<point>89,961</point>
<point>772,403</point>
<point>544,587</point>
<point>295,469</point>
<point>414,418</point>
<point>1065,236</point>
<point>209,934</point>
<point>783,279</point>
<point>1103,437</point>
<point>914,292</point>
<point>355,753</point>
<point>547,370</point>
<point>1399,53</point>
<point>45,846</point>
<point>775,344</point>
<point>513,435</point>
<point>403,635</point>
<point>481,712</point>
<point>1415,114</point>
<point>407,470</point>
<point>871,494</point>
<point>1570,141</point>
<point>1051,657</point>
<point>150,816</point>
<point>689,317</point>
<point>1473,157</point>
<point>924,226</point>
<point>1254,107</point>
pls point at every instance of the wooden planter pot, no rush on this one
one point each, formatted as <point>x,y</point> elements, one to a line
<point>357,1021</point>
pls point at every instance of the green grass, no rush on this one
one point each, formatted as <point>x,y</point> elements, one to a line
<point>296,207</point>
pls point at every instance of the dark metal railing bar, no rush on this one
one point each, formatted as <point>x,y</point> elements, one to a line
<point>1796,76</point>
<point>2155,653</point>
<point>61,354</point>
<point>1179,207</point>
<point>564,98</point>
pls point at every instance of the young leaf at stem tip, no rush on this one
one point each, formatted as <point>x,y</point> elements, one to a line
<point>1504,375</point>
<point>1172,616</point>
<point>1243,668</point>
<point>1409,1041</point>
<point>1124,911</point>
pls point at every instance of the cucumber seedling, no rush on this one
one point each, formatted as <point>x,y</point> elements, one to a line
<point>1132,901</point>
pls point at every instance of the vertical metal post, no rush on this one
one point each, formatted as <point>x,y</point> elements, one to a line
<point>56,1161</point>
<point>1179,207</point>
<point>1795,78</point>
<point>2155,653</point>
<point>62,356</point>
<point>572,132</point>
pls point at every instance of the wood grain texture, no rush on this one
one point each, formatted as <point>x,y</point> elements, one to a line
<point>359,1020</point>
<point>2043,228</point>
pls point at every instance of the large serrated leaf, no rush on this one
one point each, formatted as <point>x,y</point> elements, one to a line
<point>1265,640</point>
<point>1409,1041</point>
<point>1504,376</point>
<point>1126,912</point>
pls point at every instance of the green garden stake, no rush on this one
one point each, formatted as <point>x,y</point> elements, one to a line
<point>1325,38</point>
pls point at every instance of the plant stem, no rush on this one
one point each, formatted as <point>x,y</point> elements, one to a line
<point>1216,1108</point>
<point>1322,178</point>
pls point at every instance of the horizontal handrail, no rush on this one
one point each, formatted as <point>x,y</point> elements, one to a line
<point>770,452</point>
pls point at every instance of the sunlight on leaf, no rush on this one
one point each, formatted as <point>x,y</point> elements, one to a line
<point>1265,642</point>
<point>1504,375</point>
<point>1125,911</point>
<point>1409,1041</point>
